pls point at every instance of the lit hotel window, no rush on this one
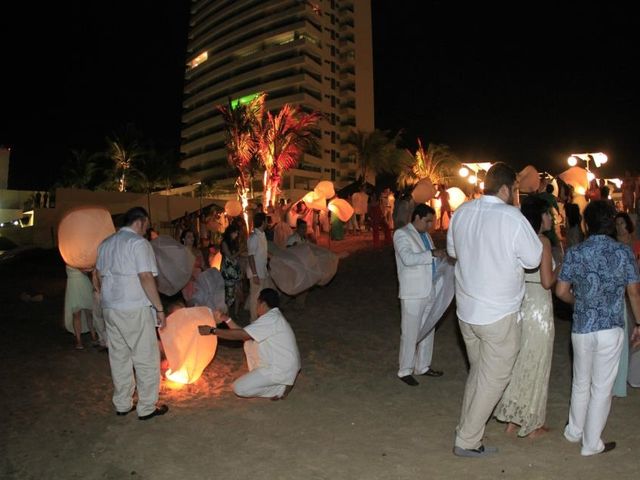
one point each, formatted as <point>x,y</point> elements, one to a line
<point>198,60</point>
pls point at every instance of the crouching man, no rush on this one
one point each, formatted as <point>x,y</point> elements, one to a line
<point>270,346</point>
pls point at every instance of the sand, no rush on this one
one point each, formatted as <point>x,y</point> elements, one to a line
<point>348,417</point>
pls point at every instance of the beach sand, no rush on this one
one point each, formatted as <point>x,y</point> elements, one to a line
<point>348,417</point>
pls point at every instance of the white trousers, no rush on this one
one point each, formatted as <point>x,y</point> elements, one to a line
<point>254,291</point>
<point>596,357</point>
<point>415,353</point>
<point>256,383</point>
<point>133,346</point>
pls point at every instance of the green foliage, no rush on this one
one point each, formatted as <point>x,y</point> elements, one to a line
<point>437,163</point>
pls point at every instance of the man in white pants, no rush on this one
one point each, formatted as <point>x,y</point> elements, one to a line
<point>126,268</point>
<point>493,243</point>
<point>270,346</point>
<point>594,277</point>
<point>415,262</point>
<point>258,256</point>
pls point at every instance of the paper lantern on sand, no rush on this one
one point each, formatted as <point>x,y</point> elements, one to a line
<point>325,189</point>
<point>80,232</point>
<point>298,268</point>
<point>341,209</point>
<point>315,201</point>
<point>188,352</point>
<point>529,179</point>
<point>456,197</point>
<point>233,208</point>
<point>423,191</point>
<point>175,264</point>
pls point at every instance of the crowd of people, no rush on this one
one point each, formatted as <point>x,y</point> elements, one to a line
<point>508,254</point>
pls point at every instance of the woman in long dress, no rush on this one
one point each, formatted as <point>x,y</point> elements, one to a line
<point>78,305</point>
<point>629,366</point>
<point>524,402</point>
<point>230,266</point>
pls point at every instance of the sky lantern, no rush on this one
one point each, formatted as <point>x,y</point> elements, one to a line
<point>529,179</point>
<point>423,191</point>
<point>577,178</point>
<point>341,208</point>
<point>175,264</point>
<point>325,188</point>
<point>188,352</point>
<point>233,208</point>
<point>80,232</point>
<point>298,268</point>
<point>315,201</point>
<point>456,197</point>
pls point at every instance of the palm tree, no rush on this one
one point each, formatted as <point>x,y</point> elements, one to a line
<point>79,171</point>
<point>123,149</point>
<point>241,121</point>
<point>375,151</point>
<point>433,163</point>
<point>281,140</point>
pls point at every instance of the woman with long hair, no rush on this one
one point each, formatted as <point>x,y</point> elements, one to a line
<point>230,266</point>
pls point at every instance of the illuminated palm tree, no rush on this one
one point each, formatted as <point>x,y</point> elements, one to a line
<point>281,140</point>
<point>433,163</point>
<point>123,149</point>
<point>240,122</point>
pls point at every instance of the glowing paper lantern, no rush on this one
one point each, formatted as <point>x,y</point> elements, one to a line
<point>298,268</point>
<point>315,201</point>
<point>175,264</point>
<point>216,260</point>
<point>325,189</point>
<point>456,197</point>
<point>80,232</point>
<point>233,208</point>
<point>423,191</point>
<point>188,352</point>
<point>529,179</point>
<point>341,208</point>
<point>577,178</point>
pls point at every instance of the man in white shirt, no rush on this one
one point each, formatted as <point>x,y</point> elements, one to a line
<point>258,255</point>
<point>125,272</point>
<point>493,244</point>
<point>360,204</point>
<point>270,346</point>
<point>415,262</point>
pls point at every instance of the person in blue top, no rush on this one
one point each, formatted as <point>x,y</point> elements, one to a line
<point>594,277</point>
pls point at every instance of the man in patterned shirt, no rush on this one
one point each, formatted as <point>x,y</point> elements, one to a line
<point>594,277</point>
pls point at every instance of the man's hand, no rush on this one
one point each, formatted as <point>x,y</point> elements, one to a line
<point>161,320</point>
<point>204,329</point>
<point>439,253</point>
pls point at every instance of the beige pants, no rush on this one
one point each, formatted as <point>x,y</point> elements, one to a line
<point>415,353</point>
<point>257,382</point>
<point>133,345</point>
<point>254,291</point>
<point>492,350</point>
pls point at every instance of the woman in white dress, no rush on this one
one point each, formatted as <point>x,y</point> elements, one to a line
<point>78,305</point>
<point>524,402</point>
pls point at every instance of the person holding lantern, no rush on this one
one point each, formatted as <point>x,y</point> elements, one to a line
<point>126,268</point>
<point>270,347</point>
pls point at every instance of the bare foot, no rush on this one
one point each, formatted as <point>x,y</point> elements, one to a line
<point>538,432</point>
<point>511,428</point>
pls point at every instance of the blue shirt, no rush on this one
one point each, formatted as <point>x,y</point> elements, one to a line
<point>599,270</point>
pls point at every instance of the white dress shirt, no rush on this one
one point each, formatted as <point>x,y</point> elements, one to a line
<point>493,243</point>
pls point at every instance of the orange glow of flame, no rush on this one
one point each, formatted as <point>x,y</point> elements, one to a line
<point>181,377</point>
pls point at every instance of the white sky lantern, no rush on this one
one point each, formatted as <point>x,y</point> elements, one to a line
<point>423,191</point>
<point>341,208</point>
<point>298,268</point>
<point>472,179</point>
<point>577,178</point>
<point>233,208</point>
<point>325,188</point>
<point>188,352</point>
<point>590,176</point>
<point>572,161</point>
<point>529,179</point>
<point>80,232</point>
<point>456,197</point>
<point>315,201</point>
<point>175,264</point>
<point>463,172</point>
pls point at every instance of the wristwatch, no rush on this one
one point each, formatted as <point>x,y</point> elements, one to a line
<point>212,330</point>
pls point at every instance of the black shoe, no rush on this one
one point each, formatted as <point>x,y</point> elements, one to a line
<point>433,373</point>
<point>481,451</point>
<point>161,410</point>
<point>122,414</point>
<point>409,380</point>
<point>608,447</point>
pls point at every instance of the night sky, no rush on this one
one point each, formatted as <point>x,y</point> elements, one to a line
<point>522,86</point>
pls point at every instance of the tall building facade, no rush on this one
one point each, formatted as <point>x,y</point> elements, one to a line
<point>313,53</point>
